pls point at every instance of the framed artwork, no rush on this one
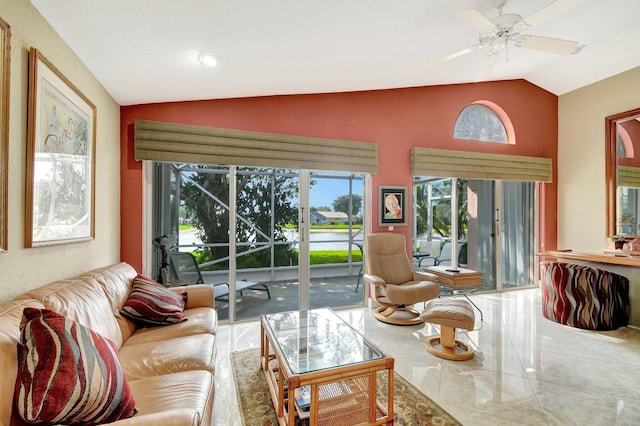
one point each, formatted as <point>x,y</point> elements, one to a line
<point>61,129</point>
<point>5,71</point>
<point>392,201</point>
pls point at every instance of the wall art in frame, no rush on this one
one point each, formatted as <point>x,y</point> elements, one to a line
<point>60,158</point>
<point>393,203</point>
<point>5,71</point>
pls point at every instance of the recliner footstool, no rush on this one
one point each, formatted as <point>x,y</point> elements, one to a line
<point>449,314</point>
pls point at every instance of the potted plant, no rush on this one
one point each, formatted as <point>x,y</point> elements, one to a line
<point>618,241</point>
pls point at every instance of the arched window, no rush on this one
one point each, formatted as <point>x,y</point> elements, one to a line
<point>625,141</point>
<point>484,121</point>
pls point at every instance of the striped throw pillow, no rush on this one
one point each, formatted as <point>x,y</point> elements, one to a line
<point>150,304</point>
<point>68,373</point>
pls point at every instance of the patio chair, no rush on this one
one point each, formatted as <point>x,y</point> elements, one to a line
<point>394,285</point>
<point>445,255</point>
<point>185,271</point>
<point>429,251</point>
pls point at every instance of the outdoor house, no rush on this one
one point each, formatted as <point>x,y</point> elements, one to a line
<point>324,217</point>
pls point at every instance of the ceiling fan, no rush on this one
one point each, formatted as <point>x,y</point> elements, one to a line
<point>509,28</point>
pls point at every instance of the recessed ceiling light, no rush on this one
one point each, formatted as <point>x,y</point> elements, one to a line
<point>208,59</point>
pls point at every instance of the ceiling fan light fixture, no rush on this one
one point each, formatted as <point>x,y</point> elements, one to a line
<point>500,43</point>
<point>520,41</point>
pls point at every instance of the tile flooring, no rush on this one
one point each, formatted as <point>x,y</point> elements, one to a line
<point>527,369</point>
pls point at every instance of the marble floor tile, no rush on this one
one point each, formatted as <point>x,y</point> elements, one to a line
<point>527,369</point>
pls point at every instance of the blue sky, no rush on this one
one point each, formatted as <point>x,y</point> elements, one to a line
<point>326,190</point>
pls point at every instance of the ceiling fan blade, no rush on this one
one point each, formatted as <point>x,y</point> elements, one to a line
<point>549,45</point>
<point>452,56</point>
<point>486,67</point>
<point>552,10</point>
<point>476,19</point>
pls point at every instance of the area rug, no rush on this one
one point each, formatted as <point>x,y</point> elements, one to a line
<point>411,407</point>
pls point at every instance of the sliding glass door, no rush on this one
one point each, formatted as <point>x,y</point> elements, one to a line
<point>191,209</point>
<point>495,228</point>
<point>267,241</point>
<point>517,234</point>
<point>479,213</point>
<point>281,255</point>
<point>336,229</point>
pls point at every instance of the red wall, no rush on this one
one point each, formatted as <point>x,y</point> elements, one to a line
<point>632,129</point>
<point>396,120</point>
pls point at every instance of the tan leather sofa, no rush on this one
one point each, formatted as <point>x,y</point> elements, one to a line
<point>169,368</point>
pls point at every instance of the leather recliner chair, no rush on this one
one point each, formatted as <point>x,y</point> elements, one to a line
<point>393,283</point>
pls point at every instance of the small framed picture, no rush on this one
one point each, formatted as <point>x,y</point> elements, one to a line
<point>393,205</point>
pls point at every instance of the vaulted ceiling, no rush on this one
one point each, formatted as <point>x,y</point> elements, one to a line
<point>147,51</point>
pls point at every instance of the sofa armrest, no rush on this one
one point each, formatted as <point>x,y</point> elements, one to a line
<point>424,276</point>
<point>198,295</point>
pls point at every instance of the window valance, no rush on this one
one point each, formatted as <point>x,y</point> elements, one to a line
<point>170,142</point>
<point>475,165</point>
<point>629,176</point>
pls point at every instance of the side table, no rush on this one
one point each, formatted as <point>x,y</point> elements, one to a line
<point>461,282</point>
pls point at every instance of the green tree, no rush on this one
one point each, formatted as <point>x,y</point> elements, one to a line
<point>205,196</point>
<point>441,205</point>
<point>320,209</point>
<point>422,209</point>
<point>341,204</point>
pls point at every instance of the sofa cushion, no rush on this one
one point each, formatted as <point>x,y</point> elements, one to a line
<point>116,281</point>
<point>151,304</point>
<point>83,300</point>
<point>200,321</point>
<point>68,373</point>
<point>184,398</point>
<point>197,352</point>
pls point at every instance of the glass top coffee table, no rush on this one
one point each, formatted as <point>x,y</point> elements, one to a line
<point>318,367</point>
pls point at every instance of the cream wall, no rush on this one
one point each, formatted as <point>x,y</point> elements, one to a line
<point>581,153</point>
<point>20,268</point>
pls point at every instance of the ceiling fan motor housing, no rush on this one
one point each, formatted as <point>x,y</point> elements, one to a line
<point>508,27</point>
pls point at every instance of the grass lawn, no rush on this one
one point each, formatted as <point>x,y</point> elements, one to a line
<point>336,226</point>
<point>323,257</point>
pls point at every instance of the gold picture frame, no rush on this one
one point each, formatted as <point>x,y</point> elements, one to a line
<point>61,137</point>
<point>5,71</point>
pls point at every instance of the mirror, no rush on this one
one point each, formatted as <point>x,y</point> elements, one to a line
<point>622,169</point>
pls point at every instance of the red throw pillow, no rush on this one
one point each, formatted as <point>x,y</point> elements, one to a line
<point>68,373</point>
<point>152,304</point>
